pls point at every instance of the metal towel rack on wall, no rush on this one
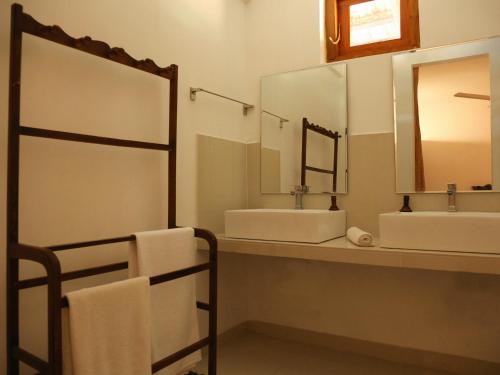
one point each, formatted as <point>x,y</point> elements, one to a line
<point>194,90</point>
<point>23,23</point>
<point>282,119</point>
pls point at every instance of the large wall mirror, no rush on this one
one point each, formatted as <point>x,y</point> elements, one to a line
<point>303,130</point>
<point>447,126</point>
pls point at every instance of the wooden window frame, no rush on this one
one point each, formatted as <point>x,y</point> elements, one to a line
<point>410,31</point>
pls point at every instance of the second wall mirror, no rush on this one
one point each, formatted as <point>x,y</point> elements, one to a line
<point>447,124</point>
<point>304,130</point>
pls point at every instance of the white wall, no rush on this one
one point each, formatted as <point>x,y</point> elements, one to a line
<point>88,192</point>
<point>221,45</point>
<point>281,36</point>
<point>286,37</point>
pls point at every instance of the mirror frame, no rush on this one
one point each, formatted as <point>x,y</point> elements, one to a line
<point>402,65</point>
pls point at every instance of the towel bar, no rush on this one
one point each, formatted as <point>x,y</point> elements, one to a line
<point>23,23</point>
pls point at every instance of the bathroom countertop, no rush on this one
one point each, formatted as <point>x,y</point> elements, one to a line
<point>343,251</point>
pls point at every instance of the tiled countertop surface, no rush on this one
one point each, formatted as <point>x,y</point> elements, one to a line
<point>343,251</point>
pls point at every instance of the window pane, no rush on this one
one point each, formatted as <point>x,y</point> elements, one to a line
<point>375,21</point>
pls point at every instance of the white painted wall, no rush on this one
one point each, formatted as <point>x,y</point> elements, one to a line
<point>294,43</point>
<point>281,36</point>
<point>88,192</point>
<point>287,37</point>
<point>221,45</point>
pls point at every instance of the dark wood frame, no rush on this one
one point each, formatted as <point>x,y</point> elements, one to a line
<point>410,31</point>
<point>24,23</point>
<point>306,125</point>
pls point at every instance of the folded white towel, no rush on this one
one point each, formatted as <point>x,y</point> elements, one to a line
<point>173,303</point>
<point>107,329</point>
<point>359,237</point>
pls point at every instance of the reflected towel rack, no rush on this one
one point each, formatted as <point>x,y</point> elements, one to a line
<point>282,119</point>
<point>306,125</point>
<point>472,96</point>
<point>194,90</point>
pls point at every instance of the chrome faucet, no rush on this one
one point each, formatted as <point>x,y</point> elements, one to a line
<point>299,191</point>
<point>452,192</point>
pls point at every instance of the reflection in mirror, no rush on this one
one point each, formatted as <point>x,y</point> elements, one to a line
<point>293,153</point>
<point>452,123</point>
<point>447,126</point>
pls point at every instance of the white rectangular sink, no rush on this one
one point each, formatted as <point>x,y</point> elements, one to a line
<point>472,232</point>
<point>311,226</point>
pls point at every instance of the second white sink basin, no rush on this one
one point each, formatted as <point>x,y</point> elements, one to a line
<point>311,226</point>
<point>472,232</point>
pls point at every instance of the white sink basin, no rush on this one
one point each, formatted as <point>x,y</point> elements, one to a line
<point>312,226</point>
<point>472,232</point>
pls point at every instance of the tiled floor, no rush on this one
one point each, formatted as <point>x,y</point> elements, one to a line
<point>255,354</point>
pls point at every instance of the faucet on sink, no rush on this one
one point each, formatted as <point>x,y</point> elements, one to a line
<point>452,192</point>
<point>299,191</point>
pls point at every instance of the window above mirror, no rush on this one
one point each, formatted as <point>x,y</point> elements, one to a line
<point>374,21</point>
<point>356,28</point>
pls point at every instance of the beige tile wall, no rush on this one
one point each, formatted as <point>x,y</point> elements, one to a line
<point>271,170</point>
<point>444,312</point>
<point>222,180</point>
<point>222,185</point>
<point>371,186</point>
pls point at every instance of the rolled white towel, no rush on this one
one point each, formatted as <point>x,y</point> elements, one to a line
<point>359,237</point>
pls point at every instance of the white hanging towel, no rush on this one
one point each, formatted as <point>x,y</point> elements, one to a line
<point>173,303</point>
<point>107,329</point>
